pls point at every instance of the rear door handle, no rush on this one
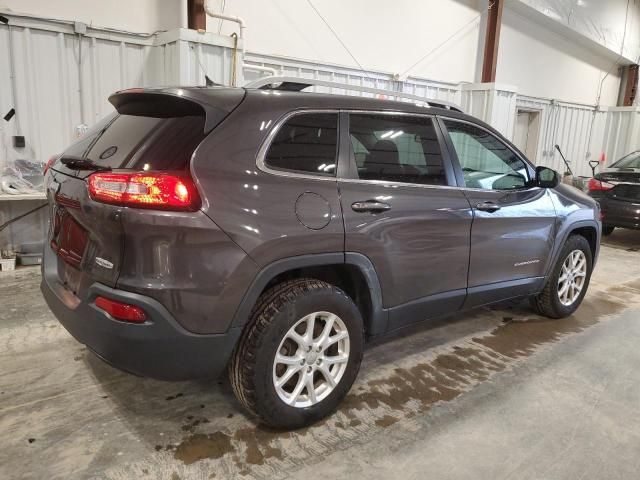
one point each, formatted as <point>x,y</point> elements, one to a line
<point>487,207</point>
<point>371,206</point>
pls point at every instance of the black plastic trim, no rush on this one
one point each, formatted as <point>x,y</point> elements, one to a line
<point>159,348</point>
<point>426,308</point>
<point>501,291</point>
<point>568,230</point>
<point>379,317</point>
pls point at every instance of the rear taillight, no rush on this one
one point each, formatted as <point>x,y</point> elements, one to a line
<point>49,163</point>
<point>160,191</point>
<point>599,185</point>
<point>121,311</point>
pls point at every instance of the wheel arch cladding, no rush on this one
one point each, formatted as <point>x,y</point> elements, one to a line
<point>591,234</point>
<point>587,229</point>
<point>352,272</point>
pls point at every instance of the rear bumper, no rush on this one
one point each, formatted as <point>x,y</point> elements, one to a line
<point>159,348</point>
<point>619,213</point>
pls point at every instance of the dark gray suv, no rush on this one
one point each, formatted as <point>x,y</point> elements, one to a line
<point>271,232</point>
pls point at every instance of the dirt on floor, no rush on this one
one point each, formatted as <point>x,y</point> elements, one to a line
<point>65,414</point>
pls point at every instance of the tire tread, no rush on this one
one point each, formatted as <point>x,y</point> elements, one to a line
<point>544,303</point>
<point>243,360</point>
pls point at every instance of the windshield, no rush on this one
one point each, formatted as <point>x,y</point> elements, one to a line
<point>630,161</point>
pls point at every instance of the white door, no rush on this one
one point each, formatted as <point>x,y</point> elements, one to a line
<point>522,130</point>
<point>525,136</point>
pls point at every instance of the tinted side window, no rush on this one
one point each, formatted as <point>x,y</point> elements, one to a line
<point>141,143</point>
<point>396,148</point>
<point>486,162</point>
<point>306,143</point>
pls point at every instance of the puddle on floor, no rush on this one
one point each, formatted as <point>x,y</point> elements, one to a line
<point>380,403</point>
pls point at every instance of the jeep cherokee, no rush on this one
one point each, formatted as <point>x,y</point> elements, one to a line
<point>271,232</point>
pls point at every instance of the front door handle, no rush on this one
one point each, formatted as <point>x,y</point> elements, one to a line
<point>371,206</point>
<point>488,207</point>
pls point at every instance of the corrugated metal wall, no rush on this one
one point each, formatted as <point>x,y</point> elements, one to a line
<point>283,66</point>
<point>63,79</point>
<point>570,126</point>
<point>57,79</point>
<point>494,104</point>
<point>582,132</point>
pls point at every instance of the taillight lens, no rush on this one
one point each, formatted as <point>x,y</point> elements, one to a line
<point>50,162</point>
<point>160,191</point>
<point>121,311</point>
<point>599,185</point>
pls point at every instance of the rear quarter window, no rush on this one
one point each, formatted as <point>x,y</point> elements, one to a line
<point>306,143</point>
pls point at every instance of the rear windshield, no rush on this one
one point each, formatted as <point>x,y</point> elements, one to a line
<point>630,161</point>
<point>141,143</point>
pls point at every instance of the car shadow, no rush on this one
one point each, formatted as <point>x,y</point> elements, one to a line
<point>151,407</point>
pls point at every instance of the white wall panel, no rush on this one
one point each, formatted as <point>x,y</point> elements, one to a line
<point>63,79</point>
<point>492,103</point>
<point>574,127</point>
<point>583,133</point>
<point>544,63</point>
<point>599,21</point>
<point>570,45</point>
<point>621,132</point>
<point>432,89</point>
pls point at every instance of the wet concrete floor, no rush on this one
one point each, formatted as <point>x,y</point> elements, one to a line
<point>485,394</point>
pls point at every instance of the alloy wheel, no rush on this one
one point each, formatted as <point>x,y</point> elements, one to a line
<point>311,359</point>
<point>572,277</point>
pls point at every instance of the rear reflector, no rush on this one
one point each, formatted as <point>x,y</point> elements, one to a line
<point>599,185</point>
<point>160,191</point>
<point>121,311</point>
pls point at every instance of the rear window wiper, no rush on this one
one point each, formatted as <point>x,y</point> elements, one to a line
<point>78,163</point>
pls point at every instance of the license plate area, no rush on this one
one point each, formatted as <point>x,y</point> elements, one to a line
<point>68,239</point>
<point>70,278</point>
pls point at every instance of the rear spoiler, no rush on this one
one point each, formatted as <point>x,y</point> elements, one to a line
<point>212,103</point>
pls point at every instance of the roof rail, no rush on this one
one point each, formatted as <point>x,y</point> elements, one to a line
<point>297,84</point>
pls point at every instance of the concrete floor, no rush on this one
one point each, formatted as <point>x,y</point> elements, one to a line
<point>496,393</point>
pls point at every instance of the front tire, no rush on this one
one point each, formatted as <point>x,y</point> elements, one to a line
<point>299,355</point>
<point>568,282</point>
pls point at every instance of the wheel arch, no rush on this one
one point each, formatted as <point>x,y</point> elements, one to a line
<point>352,272</point>
<point>588,229</point>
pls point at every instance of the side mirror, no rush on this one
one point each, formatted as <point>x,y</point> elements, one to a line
<point>546,177</point>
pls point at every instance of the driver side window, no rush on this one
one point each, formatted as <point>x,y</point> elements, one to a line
<point>486,162</point>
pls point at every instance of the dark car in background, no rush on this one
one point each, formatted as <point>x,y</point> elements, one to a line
<point>271,232</point>
<point>617,189</point>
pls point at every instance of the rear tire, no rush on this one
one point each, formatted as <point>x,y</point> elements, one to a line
<point>607,230</point>
<point>303,310</point>
<point>554,301</point>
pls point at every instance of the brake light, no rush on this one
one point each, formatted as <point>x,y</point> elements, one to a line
<point>121,311</point>
<point>599,185</point>
<point>49,163</point>
<point>145,190</point>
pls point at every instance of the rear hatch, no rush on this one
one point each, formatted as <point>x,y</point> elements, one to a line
<point>152,135</point>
